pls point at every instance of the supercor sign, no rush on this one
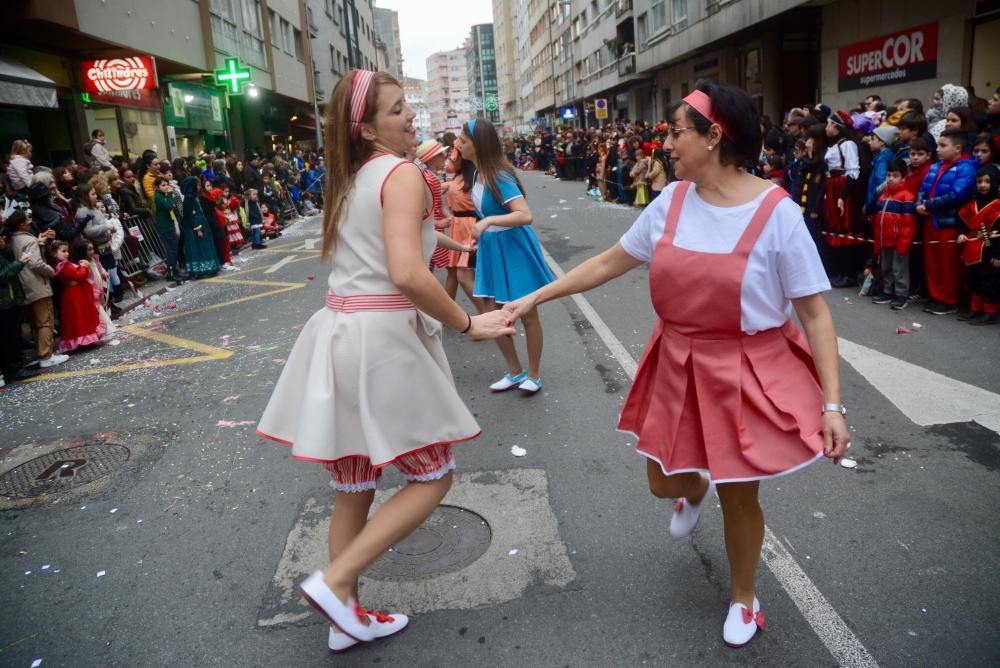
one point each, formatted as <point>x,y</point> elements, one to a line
<point>907,55</point>
<point>116,74</point>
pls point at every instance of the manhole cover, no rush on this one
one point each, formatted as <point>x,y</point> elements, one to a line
<point>450,539</point>
<point>62,470</point>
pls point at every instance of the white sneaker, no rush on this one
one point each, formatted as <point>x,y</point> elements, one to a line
<point>686,514</point>
<point>383,626</point>
<point>2,381</point>
<point>508,381</point>
<point>741,624</point>
<point>530,385</point>
<point>346,615</point>
<point>52,361</point>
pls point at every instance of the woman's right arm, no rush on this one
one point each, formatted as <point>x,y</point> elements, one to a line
<point>592,273</point>
<point>402,216</point>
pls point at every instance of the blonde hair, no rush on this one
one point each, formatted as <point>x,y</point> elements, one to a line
<point>20,147</point>
<point>343,165</point>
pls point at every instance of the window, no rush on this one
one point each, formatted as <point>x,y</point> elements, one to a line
<point>286,37</point>
<point>275,32</point>
<point>298,43</point>
<point>333,60</point>
<point>679,13</point>
<point>659,11</point>
<point>642,29</point>
<point>224,32</point>
<point>253,34</point>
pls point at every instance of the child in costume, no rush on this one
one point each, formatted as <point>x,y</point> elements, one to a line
<point>83,249</point>
<point>981,248</point>
<point>80,322</point>
<point>233,231</point>
<point>255,219</point>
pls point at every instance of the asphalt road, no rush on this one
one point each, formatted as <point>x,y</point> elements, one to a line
<point>202,531</point>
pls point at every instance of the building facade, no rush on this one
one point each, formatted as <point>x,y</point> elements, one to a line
<point>448,89</point>
<point>505,40</point>
<point>415,94</point>
<point>387,32</point>
<point>482,73</point>
<point>276,48</point>
<point>639,56</point>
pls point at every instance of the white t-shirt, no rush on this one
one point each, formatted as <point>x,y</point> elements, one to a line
<point>783,265</point>
<point>851,163</point>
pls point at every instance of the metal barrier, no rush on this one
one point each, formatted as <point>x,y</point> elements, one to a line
<point>146,251</point>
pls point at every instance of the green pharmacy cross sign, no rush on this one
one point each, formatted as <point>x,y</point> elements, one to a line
<point>233,77</point>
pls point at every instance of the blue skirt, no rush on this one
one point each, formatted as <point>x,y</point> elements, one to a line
<point>510,265</point>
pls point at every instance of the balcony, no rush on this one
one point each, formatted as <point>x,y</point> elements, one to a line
<point>623,7</point>
<point>626,65</point>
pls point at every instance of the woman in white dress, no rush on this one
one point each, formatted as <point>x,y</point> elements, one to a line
<point>367,383</point>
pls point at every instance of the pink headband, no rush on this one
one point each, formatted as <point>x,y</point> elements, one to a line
<point>702,103</point>
<point>359,100</point>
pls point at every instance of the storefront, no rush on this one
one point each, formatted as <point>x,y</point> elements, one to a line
<point>121,97</point>
<point>196,117</point>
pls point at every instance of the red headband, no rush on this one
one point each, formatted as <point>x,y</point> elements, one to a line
<point>702,103</point>
<point>359,100</point>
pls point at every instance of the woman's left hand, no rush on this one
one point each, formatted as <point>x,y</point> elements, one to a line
<point>836,436</point>
<point>479,228</point>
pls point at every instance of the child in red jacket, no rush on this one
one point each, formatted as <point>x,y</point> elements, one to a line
<point>895,226</point>
<point>80,324</point>
<point>981,248</point>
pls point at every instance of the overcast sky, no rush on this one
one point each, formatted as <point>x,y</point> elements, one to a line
<point>426,27</point>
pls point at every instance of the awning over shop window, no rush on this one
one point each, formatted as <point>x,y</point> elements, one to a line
<point>22,86</point>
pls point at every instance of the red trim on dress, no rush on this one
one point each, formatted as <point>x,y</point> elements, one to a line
<point>378,466</point>
<point>367,303</point>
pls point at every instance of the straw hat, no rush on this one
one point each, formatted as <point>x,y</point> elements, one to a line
<point>428,149</point>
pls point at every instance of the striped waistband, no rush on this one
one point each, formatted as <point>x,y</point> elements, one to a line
<point>361,303</point>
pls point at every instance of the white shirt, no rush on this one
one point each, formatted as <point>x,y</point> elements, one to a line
<point>851,164</point>
<point>783,265</point>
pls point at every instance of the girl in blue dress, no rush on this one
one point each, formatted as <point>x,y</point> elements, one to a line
<point>509,260</point>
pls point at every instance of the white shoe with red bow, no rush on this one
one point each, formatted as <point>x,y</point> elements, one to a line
<point>686,514</point>
<point>741,624</point>
<point>381,624</point>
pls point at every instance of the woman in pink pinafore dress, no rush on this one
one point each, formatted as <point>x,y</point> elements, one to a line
<point>367,384</point>
<point>728,392</point>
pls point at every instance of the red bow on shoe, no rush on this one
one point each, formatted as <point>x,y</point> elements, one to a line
<point>381,617</point>
<point>757,617</point>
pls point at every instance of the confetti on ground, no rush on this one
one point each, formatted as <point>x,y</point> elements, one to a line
<point>131,405</point>
<point>101,574</point>
<point>916,325</point>
<point>518,451</point>
<point>230,423</point>
<point>279,360</point>
<point>562,201</point>
<point>83,507</point>
<point>903,331</point>
<point>512,553</point>
<point>555,215</point>
<point>114,342</point>
<point>230,399</point>
<point>848,463</point>
<point>36,663</point>
<point>310,278</point>
<point>95,361</point>
<point>114,510</point>
<point>45,567</point>
<point>27,572</point>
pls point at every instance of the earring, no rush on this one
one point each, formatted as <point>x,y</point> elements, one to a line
<point>711,146</point>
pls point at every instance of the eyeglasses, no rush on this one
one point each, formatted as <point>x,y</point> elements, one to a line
<point>675,132</point>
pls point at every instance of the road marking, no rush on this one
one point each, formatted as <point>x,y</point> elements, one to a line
<point>310,244</point>
<point>924,396</point>
<point>831,629</point>
<point>279,264</point>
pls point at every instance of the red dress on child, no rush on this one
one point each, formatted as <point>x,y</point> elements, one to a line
<point>440,259</point>
<point>79,322</point>
<point>233,230</point>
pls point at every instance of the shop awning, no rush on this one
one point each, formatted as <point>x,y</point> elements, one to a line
<point>22,86</point>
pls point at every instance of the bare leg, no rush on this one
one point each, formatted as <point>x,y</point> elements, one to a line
<point>350,513</point>
<point>743,520</point>
<point>451,282</point>
<point>393,521</point>
<point>691,486</point>
<point>467,279</point>
<point>506,346</point>
<point>533,332</point>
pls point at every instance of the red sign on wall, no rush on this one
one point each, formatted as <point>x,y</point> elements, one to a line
<point>116,74</point>
<point>908,55</point>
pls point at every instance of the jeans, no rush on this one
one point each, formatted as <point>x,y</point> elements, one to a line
<point>169,240</point>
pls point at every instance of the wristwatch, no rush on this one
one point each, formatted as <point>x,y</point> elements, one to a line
<point>835,408</point>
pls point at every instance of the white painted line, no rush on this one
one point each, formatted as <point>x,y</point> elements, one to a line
<point>310,244</point>
<point>279,264</point>
<point>924,396</point>
<point>831,629</point>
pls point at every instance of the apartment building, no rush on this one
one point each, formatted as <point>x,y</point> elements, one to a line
<point>482,73</point>
<point>415,94</point>
<point>448,89</point>
<point>387,32</point>
<point>505,39</point>
<point>642,55</point>
<point>61,49</point>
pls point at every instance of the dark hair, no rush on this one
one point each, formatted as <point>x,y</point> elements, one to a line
<point>491,161</point>
<point>817,132</point>
<point>920,144</point>
<point>898,166</point>
<point>914,120</point>
<point>968,122</point>
<point>78,249</point>
<point>956,136</point>
<point>96,132</point>
<point>51,248</point>
<point>158,180</point>
<point>913,104</point>
<point>15,220</point>
<point>736,110</point>
<point>83,193</point>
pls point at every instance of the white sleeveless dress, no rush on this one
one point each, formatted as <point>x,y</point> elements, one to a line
<point>368,375</point>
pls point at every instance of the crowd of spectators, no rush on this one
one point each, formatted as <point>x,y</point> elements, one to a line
<point>76,239</point>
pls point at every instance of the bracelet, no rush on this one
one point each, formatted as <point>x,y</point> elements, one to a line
<point>469,326</point>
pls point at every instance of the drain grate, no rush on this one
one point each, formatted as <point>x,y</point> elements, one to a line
<point>62,470</point>
<point>450,539</point>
